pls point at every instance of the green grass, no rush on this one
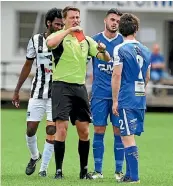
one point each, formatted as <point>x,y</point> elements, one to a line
<point>155,154</point>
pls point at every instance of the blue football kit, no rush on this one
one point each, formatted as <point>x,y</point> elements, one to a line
<point>135,60</point>
<point>101,104</point>
<point>101,96</point>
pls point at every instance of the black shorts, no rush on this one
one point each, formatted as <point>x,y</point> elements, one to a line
<point>70,100</point>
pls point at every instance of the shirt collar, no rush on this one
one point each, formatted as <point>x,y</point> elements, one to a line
<point>131,41</point>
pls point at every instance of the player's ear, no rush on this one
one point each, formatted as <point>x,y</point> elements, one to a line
<point>104,20</point>
<point>48,23</point>
<point>135,34</point>
<point>64,21</point>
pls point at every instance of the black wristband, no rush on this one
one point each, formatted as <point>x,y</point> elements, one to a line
<point>103,52</point>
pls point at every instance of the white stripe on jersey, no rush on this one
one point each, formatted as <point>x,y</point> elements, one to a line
<point>42,81</point>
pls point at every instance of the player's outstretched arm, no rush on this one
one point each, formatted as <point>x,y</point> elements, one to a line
<point>103,54</point>
<point>98,50</point>
<point>23,76</point>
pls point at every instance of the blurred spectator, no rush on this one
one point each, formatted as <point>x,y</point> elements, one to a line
<point>158,65</point>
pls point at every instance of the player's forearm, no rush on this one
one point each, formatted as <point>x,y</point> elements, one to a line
<point>116,79</point>
<point>147,77</point>
<point>57,39</point>
<point>23,76</point>
<point>146,81</point>
<point>104,56</point>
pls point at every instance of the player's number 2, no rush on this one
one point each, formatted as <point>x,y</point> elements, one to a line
<point>121,124</point>
<point>140,61</point>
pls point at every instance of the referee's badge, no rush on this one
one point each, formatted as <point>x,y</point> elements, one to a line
<point>68,42</point>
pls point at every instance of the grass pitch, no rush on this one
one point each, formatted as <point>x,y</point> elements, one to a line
<point>155,154</point>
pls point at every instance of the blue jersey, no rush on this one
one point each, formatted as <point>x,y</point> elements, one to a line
<point>135,59</point>
<point>102,71</point>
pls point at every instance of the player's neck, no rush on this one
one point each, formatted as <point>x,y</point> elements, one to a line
<point>47,33</point>
<point>130,37</point>
<point>109,35</point>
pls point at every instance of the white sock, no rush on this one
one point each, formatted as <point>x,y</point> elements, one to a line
<point>47,154</point>
<point>32,145</point>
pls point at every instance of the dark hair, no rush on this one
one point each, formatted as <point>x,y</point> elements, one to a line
<point>52,14</point>
<point>68,8</point>
<point>114,11</point>
<point>128,25</point>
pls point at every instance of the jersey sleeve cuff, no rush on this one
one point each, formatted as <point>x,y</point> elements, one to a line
<point>30,58</point>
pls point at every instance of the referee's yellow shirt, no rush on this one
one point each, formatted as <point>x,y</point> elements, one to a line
<point>70,58</point>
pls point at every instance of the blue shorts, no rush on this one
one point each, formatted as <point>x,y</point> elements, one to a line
<point>100,110</point>
<point>131,121</point>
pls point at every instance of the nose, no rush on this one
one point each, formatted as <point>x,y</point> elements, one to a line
<point>75,20</point>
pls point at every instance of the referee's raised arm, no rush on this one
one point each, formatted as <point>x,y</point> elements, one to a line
<point>56,38</point>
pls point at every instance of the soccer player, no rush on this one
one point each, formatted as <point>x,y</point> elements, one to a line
<point>101,97</point>
<point>40,98</point>
<point>130,76</point>
<point>69,95</point>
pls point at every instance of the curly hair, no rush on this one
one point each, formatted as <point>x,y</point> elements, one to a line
<point>52,14</point>
<point>128,25</point>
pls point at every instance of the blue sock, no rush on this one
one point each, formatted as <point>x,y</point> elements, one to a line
<point>118,153</point>
<point>132,159</point>
<point>127,168</point>
<point>98,150</point>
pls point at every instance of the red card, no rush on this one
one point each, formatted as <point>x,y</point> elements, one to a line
<point>79,35</point>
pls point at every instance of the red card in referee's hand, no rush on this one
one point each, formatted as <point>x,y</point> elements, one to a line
<point>79,35</point>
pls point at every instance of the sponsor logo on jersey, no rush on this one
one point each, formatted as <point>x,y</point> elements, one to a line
<point>108,68</point>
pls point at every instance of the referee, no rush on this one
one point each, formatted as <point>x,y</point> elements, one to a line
<point>69,94</point>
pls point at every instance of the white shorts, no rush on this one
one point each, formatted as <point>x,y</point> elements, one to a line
<point>37,109</point>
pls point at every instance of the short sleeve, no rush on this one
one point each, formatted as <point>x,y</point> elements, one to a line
<point>30,53</point>
<point>92,47</point>
<point>117,56</point>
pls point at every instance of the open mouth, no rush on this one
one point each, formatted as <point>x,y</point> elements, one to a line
<point>75,24</point>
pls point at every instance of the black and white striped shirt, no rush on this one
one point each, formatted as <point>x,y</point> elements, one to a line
<point>41,84</point>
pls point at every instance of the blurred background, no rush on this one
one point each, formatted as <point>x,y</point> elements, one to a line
<point>20,20</point>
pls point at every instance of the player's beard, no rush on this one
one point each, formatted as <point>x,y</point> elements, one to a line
<point>111,30</point>
<point>52,30</point>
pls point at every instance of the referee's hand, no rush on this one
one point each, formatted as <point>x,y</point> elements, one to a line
<point>101,47</point>
<point>15,100</point>
<point>75,29</point>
